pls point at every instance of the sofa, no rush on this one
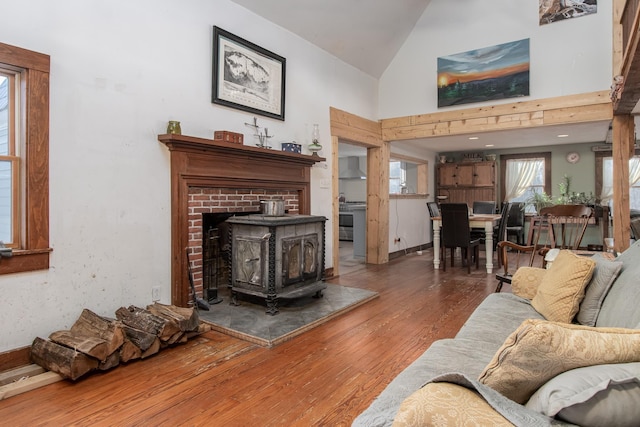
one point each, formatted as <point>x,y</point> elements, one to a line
<point>562,349</point>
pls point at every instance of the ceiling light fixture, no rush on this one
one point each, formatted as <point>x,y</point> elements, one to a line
<point>489,145</point>
<point>473,137</point>
<point>563,135</point>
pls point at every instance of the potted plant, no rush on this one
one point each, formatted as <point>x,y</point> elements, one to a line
<point>538,200</point>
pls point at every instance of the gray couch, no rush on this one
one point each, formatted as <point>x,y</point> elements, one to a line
<point>484,333</point>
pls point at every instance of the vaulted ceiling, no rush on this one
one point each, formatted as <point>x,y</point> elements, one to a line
<point>367,34</point>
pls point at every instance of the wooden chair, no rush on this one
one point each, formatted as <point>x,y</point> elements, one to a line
<point>456,233</point>
<point>572,221</point>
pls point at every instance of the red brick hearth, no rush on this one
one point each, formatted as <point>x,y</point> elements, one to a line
<point>204,200</point>
<point>209,176</point>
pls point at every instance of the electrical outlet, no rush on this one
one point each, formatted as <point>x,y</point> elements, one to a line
<point>155,293</point>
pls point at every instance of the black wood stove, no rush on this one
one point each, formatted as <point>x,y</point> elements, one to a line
<point>277,257</point>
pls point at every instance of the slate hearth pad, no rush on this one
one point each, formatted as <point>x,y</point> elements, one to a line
<point>249,321</point>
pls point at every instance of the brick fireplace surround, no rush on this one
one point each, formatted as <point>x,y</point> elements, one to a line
<point>215,177</point>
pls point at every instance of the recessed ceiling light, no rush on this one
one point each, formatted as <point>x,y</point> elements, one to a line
<point>473,137</point>
<point>489,145</point>
<point>564,135</point>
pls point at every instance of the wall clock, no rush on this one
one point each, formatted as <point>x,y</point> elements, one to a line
<point>573,157</point>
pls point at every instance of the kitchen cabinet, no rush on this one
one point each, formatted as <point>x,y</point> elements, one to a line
<point>467,182</point>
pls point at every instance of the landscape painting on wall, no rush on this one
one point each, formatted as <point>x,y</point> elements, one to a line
<point>559,10</point>
<point>495,72</point>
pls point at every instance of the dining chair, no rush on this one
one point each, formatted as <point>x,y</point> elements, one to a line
<point>515,222</point>
<point>484,207</point>
<point>434,210</point>
<point>479,208</point>
<point>455,233</point>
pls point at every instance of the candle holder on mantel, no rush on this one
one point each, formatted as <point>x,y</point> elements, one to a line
<point>315,146</point>
<point>262,135</point>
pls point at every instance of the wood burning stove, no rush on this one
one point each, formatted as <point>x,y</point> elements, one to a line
<point>276,257</point>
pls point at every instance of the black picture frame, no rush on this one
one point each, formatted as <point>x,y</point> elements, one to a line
<point>246,76</point>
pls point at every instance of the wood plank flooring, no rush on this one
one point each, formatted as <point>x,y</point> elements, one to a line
<point>324,377</point>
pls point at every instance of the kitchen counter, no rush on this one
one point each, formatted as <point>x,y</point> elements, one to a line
<point>359,231</point>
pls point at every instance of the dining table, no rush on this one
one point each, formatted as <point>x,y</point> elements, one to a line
<point>484,221</point>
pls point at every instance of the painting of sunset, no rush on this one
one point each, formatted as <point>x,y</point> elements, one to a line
<point>495,72</point>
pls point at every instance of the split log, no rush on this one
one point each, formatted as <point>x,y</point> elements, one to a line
<point>142,320</point>
<point>91,324</point>
<point>89,345</point>
<point>63,360</point>
<point>186,318</point>
<point>129,351</point>
<point>112,361</point>
<point>141,339</point>
<point>153,349</point>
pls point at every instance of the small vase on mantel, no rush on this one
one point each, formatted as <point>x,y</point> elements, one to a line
<point>173,127</point>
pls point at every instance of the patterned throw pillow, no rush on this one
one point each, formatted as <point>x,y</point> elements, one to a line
<point>539,350</point>
<point>562,288</point>
<point>442,404</point>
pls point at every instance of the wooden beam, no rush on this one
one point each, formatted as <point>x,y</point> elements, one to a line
<point>626,59</point>
<point>378,204</point>
<point>28,384</point>
<point>335,210</point>
<point>580,108</point>
<point>623,149</point>
<point>366,133</point>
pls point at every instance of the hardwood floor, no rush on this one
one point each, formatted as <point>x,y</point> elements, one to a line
<point>324,377</point>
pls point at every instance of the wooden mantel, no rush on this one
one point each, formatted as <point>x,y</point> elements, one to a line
<point>200,162</point>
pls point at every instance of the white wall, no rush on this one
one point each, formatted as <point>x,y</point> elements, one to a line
<point>566,58</point>
<point>119,71</point>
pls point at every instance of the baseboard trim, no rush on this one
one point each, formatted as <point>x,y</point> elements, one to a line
<point>15,358</point>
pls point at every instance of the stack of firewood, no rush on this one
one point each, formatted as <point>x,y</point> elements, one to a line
<point>100,343</point>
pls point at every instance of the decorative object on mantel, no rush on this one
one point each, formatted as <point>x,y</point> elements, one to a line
<point>315,146</point>
<point>263,135</point>
<point>228,136</point>
<point>472,157</point>
<point>246,76</point>
<point>292,147</point>
<point>442,159</point>
<point>173,127</point>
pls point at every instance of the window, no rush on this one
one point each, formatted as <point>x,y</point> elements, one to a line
<point>24,158</point>
<point>523,175</point>
<point>604,179</point>
<point>9,159</point>
<point>407,175</point>
<point>397,177</point>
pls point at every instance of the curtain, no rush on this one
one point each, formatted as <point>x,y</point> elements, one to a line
<point>607,176</point>
<point>519,176</point>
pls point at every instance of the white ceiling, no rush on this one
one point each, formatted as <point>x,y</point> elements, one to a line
<point>368,33</point>
<point>364,33</point>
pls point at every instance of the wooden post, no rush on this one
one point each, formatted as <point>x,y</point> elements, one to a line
<point>378,204</point>
<point>623,148</point>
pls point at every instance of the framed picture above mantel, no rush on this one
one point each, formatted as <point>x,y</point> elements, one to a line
<point>246,76</point>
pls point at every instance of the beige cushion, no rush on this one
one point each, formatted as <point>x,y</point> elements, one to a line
<point>562,288</point>
<point>539,350</point>
<point>526,280</point>
<point>446,404</point>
